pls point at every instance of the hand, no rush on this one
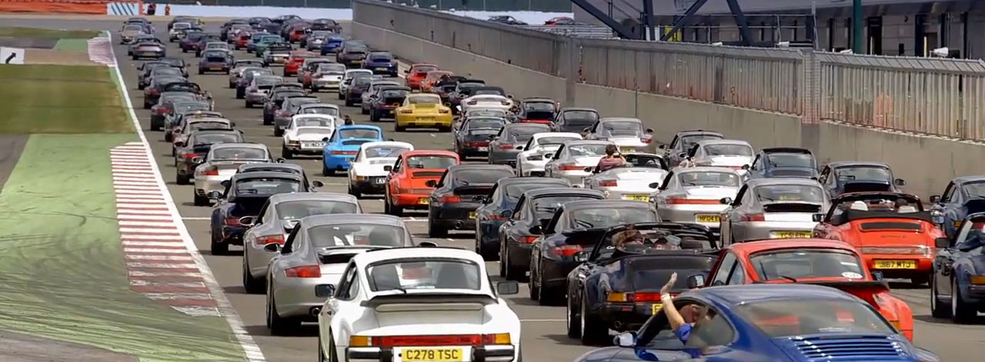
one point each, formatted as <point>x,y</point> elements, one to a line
<point>665,290</point>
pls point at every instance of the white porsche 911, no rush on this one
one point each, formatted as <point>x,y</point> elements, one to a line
<point>373,162</point>
<point>534,155</point>
<point>418,304</point>
<point>306,134</point>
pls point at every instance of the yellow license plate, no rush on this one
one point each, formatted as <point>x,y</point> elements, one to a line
<point>472,215</point>
<point>431,354</point>
<point>425,119</point>
<point>215,68</point>
<point>895,264</point>
<point>627,149</point>
<point>657,307</point>
<point>706,218</point>
<point>423,201</point>
<point>644,198</point>
<point>793,234</point>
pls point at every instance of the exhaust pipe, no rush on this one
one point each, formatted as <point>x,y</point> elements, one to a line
<point>617,324</point>
<point>459,224</point>
<point>314,311</point>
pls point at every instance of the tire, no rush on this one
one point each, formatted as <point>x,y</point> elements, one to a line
<point>399,128</point>
<point>201,201</point>
<point>511,272</point>
<point>155,128</point>
<point>936,309</point>
<point>334,355</point>
<point>372,116</point>
<point>134,57</point>
<point>325,171</point>
<point>182,179</point>
<point>232,85</point>
<point>267,121</point>
<point>341,96</point>
<point>240,94</point>
<point>278,132</point>
<point>200,72</point>
<point>364,110</point>
<point>313,89</point>
<point>147,105</point>
<point>286,153</point>
<point>533,290</point>
<point>436,231</point>
<point>167,137</point>
<point>248,104</point>
<point>278,325</point>
<point>548,296</point>
<point>571,321</point>
<point>251,284</point>
<point>354,192</point>
<point>920,280</point>
<point>218,247</point>
<point>349,103</point>
<point>183,50</point>
<point>961,313</point>
<point>592,332</point>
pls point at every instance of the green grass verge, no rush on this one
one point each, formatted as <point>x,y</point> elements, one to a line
<point>72,45</point>
<point>19,32</point>
<point>61,259</point>
<point>60,99</point>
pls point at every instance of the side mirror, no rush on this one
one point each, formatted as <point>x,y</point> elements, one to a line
<point>682,155</point>
<point>581,256</point>
<point>662,147</point>
<point>877,275</point>
<point>586,129</point>
<point>695,281</point>
<point>427,244</point>
<point>899,182</point>
<point>388,168</point>
<point>281,160</point>
<point>510,96</point>
<point>649,130</point>
<point>225,183</point>
<point>507,288</point>
<point>817,217</point>
<point>431,183</point>
<point>536,230</point>
<point>520,148</point>
<point>246,220</point>
<point>326,290</point>
<point>725,201</point>
<point>179,144</point>
<point>654,185</point>
<point>506,213</point>
<point>215,195</point>
<point>407,71</point>
<point>324,139</point>
<point>272,247</point>
<point>317,183</point>
<point>942,243</point>
<point>745,167</point>
<point>198,159</point>
<point>935,199</point>
<point>589,169</point>
<point>625,340</point>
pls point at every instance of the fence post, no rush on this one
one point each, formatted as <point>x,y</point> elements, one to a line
<point>809,82</point>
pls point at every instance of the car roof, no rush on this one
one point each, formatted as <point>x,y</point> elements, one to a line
<point>477,166</point>
<point>531,180</point>
<point>358,219</point>
<point>586,142</point>
<point>360,126</point>
<point>580,109</point>
<point>540,135</point>
<point>429,153</point>
<point>680,170</point>
<point>752,293</point>
<point>304,196</point>
<point>723,141</point>
<point>386,143</point>
<point>620,119</point>
<point>239,145</point>
<point>692,132</point>
<point>319,104</point>
<point>523,125</point>
<point>752,247</point>
<point>266,174</point>
<point>782,181</point>
<point>536,193</point>
<point>840,164</point>
<point>364,259</point>
<point>293,166</point>
<point>592,204</point>
<point>969,178</point>
<point>787,150</point>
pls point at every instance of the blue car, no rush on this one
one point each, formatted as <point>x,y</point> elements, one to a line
<point>498,207</point>
<point>381,63</point>
<point>768,322</point>
<point>341,148</point>
<point>963,196</point>
<point>956,288</point>
<point>332,44</point>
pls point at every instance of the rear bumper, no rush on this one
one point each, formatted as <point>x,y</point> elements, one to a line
<point>499,353</point>
<point>743,231</point>
<point>296,297</point>
<point>625,317</point>
<point>370,185</point>
<point>415,201</point>
<point>923,265</point>
<point>334,162</point>
<point>457,217</point>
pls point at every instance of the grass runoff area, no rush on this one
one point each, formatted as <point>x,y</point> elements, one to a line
<point>18,32</point>
<point>63,273</point>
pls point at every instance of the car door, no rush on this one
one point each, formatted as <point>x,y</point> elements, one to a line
<point>551,166</point>
<point>393,178</point>
<point>347,289</point>
<point>721,273</point>
<point>732,212</point>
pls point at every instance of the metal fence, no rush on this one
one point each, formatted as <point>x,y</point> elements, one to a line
<point>932,96</point>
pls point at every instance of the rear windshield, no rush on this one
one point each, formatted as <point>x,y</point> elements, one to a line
<point>728,150</point>
<point>579,117</point>
<point>239,154</point>
<point>489,92</point>
<point>396,93</point>
<point>360,234</point>
<point>486,124</point>
<point>358,133</point>
<point>202,125</point>
<point>624,128</point>
<point>544,207</point>
<point>481,176</point>
<point>863,173</point>
<point>806,263</point>
<point>431,162</point>
<point>524,134</point>
<point>587,150</point>
<point>709,178</point>
<point>426,274</point>
<point>773,317</point>
<point>514,191</point>
<point>555,141</point>
<point>688,141</point>
<point>314,122</point>
<point>611,216</point>
<point>294,210</point>
<point>790,193</point>
<point>267,186</point>
<point>424,100</point>
<point>384,151</point>
<point>331,111</point>
<point>790,160</point>
<point>216,59</point>
<point>187,107</point>
<point>539,107</point>
<point>213,138</point>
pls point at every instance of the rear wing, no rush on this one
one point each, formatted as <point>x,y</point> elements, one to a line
<point>394,301</point>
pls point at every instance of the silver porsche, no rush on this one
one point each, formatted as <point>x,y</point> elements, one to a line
<point>693,194</point>
<point>772,208</point>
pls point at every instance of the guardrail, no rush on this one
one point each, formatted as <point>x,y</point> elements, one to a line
<point>576,31</point>
<point>933,96</point>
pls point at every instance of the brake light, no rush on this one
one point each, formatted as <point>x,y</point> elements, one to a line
<point>686,201</point>
<point>269,239</point>
<point>633,297</point>
<point>152,90</point>
<point>232,221</point>
<point>451,199</point>
<point>443,111</point>
<point>567,250</point>
<point>607,183</point>
<point>528,239</point>
<point>162,111</point>
<point>346,153</point>
<point>753,217</point>
<point>304,271</point>
<point>505,146</point>
<point>406,111</point>
<point>570,167</point>
<point>646,140</point>
<point>497,217</point>
<point>472,103</point>
<point>211,171</point>
<point>189,156</point>
<point>430,340</point>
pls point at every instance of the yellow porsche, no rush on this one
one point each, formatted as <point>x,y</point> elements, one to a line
<point>423,110</point>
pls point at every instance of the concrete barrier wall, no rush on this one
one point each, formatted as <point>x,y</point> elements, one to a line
<point>927,163</point>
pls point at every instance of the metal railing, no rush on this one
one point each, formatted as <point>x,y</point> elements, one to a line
<point>576,31</point>
<point>934,96</point>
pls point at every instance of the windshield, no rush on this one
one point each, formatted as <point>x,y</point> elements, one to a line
<point>213,138</point>
<point>773,317</point>
<point>294,210</point>
<point>612,216</point>
<point>424,100</point>
<point>486,113</point>
<point>216,46</point>
<point>376,57</point>
<point>358,133</point>
<point>544,207</point>
<point>133,28</point>
<point>524,134</point>
<point>244,153</point>
<point>395,93</point>
<point>624,128</point>
<point>709,178</point>
<point>268,80</point>
<point>267,186</point>
<point>431,162</point>
<point>425,69</point>
<point>331,111</point>
<point>202,125</point>
<point>385,151</point>
<point>795,193</point>
<point>314,122</point>
<point>489,92</point>
<point>864,173</point>
<point>426,274</point>
<point>580,117</point>
<point>331,69</point>
<point>804,160</point>
<point>806,263</point>
<point>180,26</point>
<point>514,191</point>
<point>488,123</point>
<point>356,234</point>
<point>591,150</point>
<point>481,176</point>
<point>180,108</point>
<point>728,150</point>
<point>555,141</point>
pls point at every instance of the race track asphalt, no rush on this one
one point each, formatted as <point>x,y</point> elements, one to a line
<point>544,338</point>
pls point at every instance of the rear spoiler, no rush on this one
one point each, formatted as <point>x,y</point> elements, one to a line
<point>584,237</point>
<point>846,285</point>
<point>430,298</point>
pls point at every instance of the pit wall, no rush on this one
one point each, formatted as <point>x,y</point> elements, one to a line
<point>926,163</point>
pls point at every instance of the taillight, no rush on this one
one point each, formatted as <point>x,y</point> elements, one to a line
<point>505,146</point>
<point>607,183</point>
<point>269,239</point>
<point>304,271</point>
<point>528,239</point>
<point>344,153</point>
<point>189,156</point>
<point>162,111</point>
<point>646,140</point>
<point>232,221</point>
<point>570,167</point>
<point>406,111</point>
<point>567,250</point>
<point>451,199</point>
<point>497,217</point>
<point>442,111</point>
<point>152,90</point>
<point>633,297</point>
<point>431,340</point>
<point>211,171</point>
<point>753,217</point>
<point>686,201</point>
<point>472,103</point>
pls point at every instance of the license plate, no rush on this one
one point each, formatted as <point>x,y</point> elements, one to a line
<point>426,119</point>
<point>215,68</point>
<point>381,69</point>
<point>314,144</point>
<point>423,201</point>
<point>627,149</point>
<point>644,198</point>
<point>431,354</point>
<point>472,215</point>
<point>793,234</point>
<point>895,264</point>
<point>483,149</point>
<point>380,181</point>
<point>657,308</point>
<point>706,218</point>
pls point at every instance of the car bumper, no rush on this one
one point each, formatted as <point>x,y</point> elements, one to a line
<point>532,168</point>
<point>497,353</point>
<point>327,84</point>
<point>625,317</point>
<point>411,201</point>
<point>975,295</point>
<point>281,123</point>
<point>186,168</point>
<point>707,215</point>
<point>207,184</point>
<point>475,151</point>
<point>255,97</point>
<point>575,177</point>
<point>257,258</point>
<point>519,253</point>
<point>213,69</point>
<point>148,54</point>
<point>296,297</point>
<point>503,157</point>
<point>233,234</point>
<point>922,265</point>
<point>632,195</point>
<point>385,112</point>
<point>555,272</point>
<point>442,120</point>
<point>370,184</point>
<point>456,217</point>
<point>745,231</point>
<point>334,162</point>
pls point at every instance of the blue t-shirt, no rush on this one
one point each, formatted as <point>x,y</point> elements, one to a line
<point>683,333</point>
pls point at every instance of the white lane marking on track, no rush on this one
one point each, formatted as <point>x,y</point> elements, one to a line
<point>150,231</point>
<point>250,348</point>
<point>161,265</point>
<point>197,311</point>
<point>144,212</point>
<point>196,218</point>
<point>173,296</point>
<point>145,223</point>
<point>159,257</point>
<point>164,238</point>
<point>137,251</point>
<point>141,244</point>
<point>145,283</point>
<point>162,206</point>
<point>129,217</point>
<point>139,273</point>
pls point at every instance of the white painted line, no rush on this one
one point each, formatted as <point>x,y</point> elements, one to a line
<point>146,283</point>
<point>162,273</point>
<point>542,320</point>
<point>134,183</point>
<point>121,179</point>
<point>152,243</point>
<point>130,163</point>
<point>153,251</point>
<point>250,347</point>
<point>130,173</point>
<point>199,311</point>
<point>118,168</point>
<point>197,218</point>
<point>124,157</point>
<point>146,223</point>
<point>122,200</point>
<point>160,265</point>
<point>124,231</point>
<point>138,191</point>
<point>132,212</point>
<point>136,188</point>
<point>159,257</point>
<point>121,196</point>
<point>164,238</point>
<point>174,296</point>
<point>141,206</point>
<point>144,218</point>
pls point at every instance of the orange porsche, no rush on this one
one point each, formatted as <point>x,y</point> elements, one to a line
<point>894,233</point>
<point>406,185</point>
<point>810,261</point>
<point>293,64</point>
<point>432,78</point>
<point>416,74</point>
